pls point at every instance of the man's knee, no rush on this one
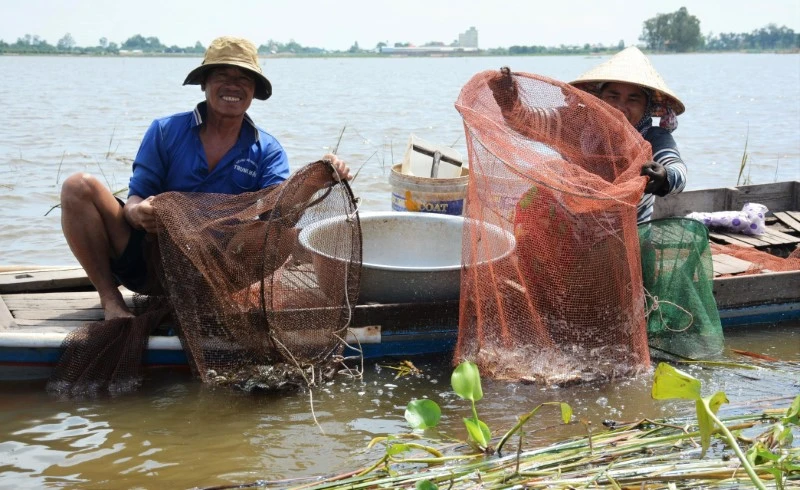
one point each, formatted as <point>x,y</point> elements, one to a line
<point>80,187</point>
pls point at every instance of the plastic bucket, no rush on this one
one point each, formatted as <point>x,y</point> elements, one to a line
<point>423,194</point>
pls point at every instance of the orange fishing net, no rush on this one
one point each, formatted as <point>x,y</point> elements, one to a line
<point>260,288</point>
<point>557,171</point>
<point>759,259</point>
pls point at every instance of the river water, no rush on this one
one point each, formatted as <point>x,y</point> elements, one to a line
<point>62,115</point>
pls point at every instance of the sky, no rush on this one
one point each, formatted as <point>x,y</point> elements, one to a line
<point>336,25</point>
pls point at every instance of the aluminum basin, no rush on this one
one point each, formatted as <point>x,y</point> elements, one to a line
<point>406,257</point>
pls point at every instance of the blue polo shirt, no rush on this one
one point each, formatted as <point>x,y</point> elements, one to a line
<point>171,158</point>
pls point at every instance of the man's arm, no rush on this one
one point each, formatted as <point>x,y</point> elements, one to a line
<point>150,164</point>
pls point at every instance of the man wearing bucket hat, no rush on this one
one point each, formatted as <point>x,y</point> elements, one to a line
<point>215,148</point>
<point>629,83</point>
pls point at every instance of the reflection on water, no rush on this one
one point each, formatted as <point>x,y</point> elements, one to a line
<point>178,433</point>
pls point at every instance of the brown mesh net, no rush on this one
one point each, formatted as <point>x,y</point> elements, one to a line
<point>260,288</point>
<point>558,171</point>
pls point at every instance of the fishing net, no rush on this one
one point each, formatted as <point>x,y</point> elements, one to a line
<point>259,287</point>
<point>760,260</point>
<point>677,271</point>
<point>554,173</point>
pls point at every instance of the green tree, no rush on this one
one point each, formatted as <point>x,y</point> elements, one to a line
<point>103,42</point>
<point>148,44</point>
<point>135,42</point>
<point>678,31</point>
<point>354,48</point>
<point>66,43</point>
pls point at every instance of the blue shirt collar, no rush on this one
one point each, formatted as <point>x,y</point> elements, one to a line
<point>201,111</point>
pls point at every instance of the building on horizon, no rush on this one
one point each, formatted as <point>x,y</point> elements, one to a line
<point>467,43</point>
<point>469,38</point>
<point>427,50</point>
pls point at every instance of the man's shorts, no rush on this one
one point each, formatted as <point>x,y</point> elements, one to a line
<point>130,268</point>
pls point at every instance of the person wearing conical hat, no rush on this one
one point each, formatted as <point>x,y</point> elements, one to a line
<point>629,82</point>
<point>215,148</point>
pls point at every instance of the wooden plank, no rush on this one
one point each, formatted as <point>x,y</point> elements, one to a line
<point>69,307</point>
<point>768,238</point>
<point>776,195</point>
<point>15,303</point>
<point>92,315</point>
<point>752,240</point>
<point>784,239</point>
<point>727,264</point>
<point>757,289</point>
<point>6,320</point>
<point>64,295</point>
<point>48,325</point>
<point>43,280</point>
<point>704,200</point>
<point>794,214</point>
<point>728,239</point>
<point>53,335</point>
<point>788,218</point>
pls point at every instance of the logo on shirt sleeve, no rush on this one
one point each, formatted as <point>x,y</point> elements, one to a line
<point>245,173</point>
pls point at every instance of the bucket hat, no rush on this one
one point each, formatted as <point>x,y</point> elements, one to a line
<point>631,66</point>
<point>232,51</point>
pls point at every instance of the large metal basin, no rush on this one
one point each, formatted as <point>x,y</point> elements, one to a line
<point>406,257</point>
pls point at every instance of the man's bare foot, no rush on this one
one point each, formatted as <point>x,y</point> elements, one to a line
<point>114,307</point>
<point>114,312</point>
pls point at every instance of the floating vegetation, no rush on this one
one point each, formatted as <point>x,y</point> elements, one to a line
<point>653,454</point>
<point>405,368</point>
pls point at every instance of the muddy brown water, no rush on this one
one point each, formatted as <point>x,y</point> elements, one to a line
<point>177,433</point>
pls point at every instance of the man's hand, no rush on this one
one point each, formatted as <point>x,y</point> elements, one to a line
<point>504,89</point>
<point>657,178</point>
<point>342,171</point>
<point>141,214</point>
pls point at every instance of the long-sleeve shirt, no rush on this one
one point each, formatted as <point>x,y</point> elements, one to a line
<point>549,126</point>
<point>665,152</point>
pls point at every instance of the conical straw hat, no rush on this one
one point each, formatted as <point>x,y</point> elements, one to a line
<point>631,66</point>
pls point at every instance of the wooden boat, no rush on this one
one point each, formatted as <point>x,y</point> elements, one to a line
<point>39,307</point>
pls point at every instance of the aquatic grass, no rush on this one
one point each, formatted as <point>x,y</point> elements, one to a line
<point>108,155</point>
<point>61,162</point>
<point>627,455</point>
<point>743,164</point>
<point>644,453</point>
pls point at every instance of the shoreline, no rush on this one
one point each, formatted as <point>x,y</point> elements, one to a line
<point>482,54</point>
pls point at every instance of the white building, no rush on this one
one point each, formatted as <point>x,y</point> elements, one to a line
<point>468,39</point>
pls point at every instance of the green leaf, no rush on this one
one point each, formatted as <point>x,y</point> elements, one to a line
<point>393,449</point>
<point>478,432</point>
<point>760,454</point>
<point>566,412</point>
<point>426,485</point>
<point>793,412</point>
<point>423,414</point>
<point>669,383</point>
<point>704,421</point>
<point>466,381</point>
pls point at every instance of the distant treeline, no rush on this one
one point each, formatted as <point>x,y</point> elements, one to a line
<point>680,32</point>
<point>676,32</point>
